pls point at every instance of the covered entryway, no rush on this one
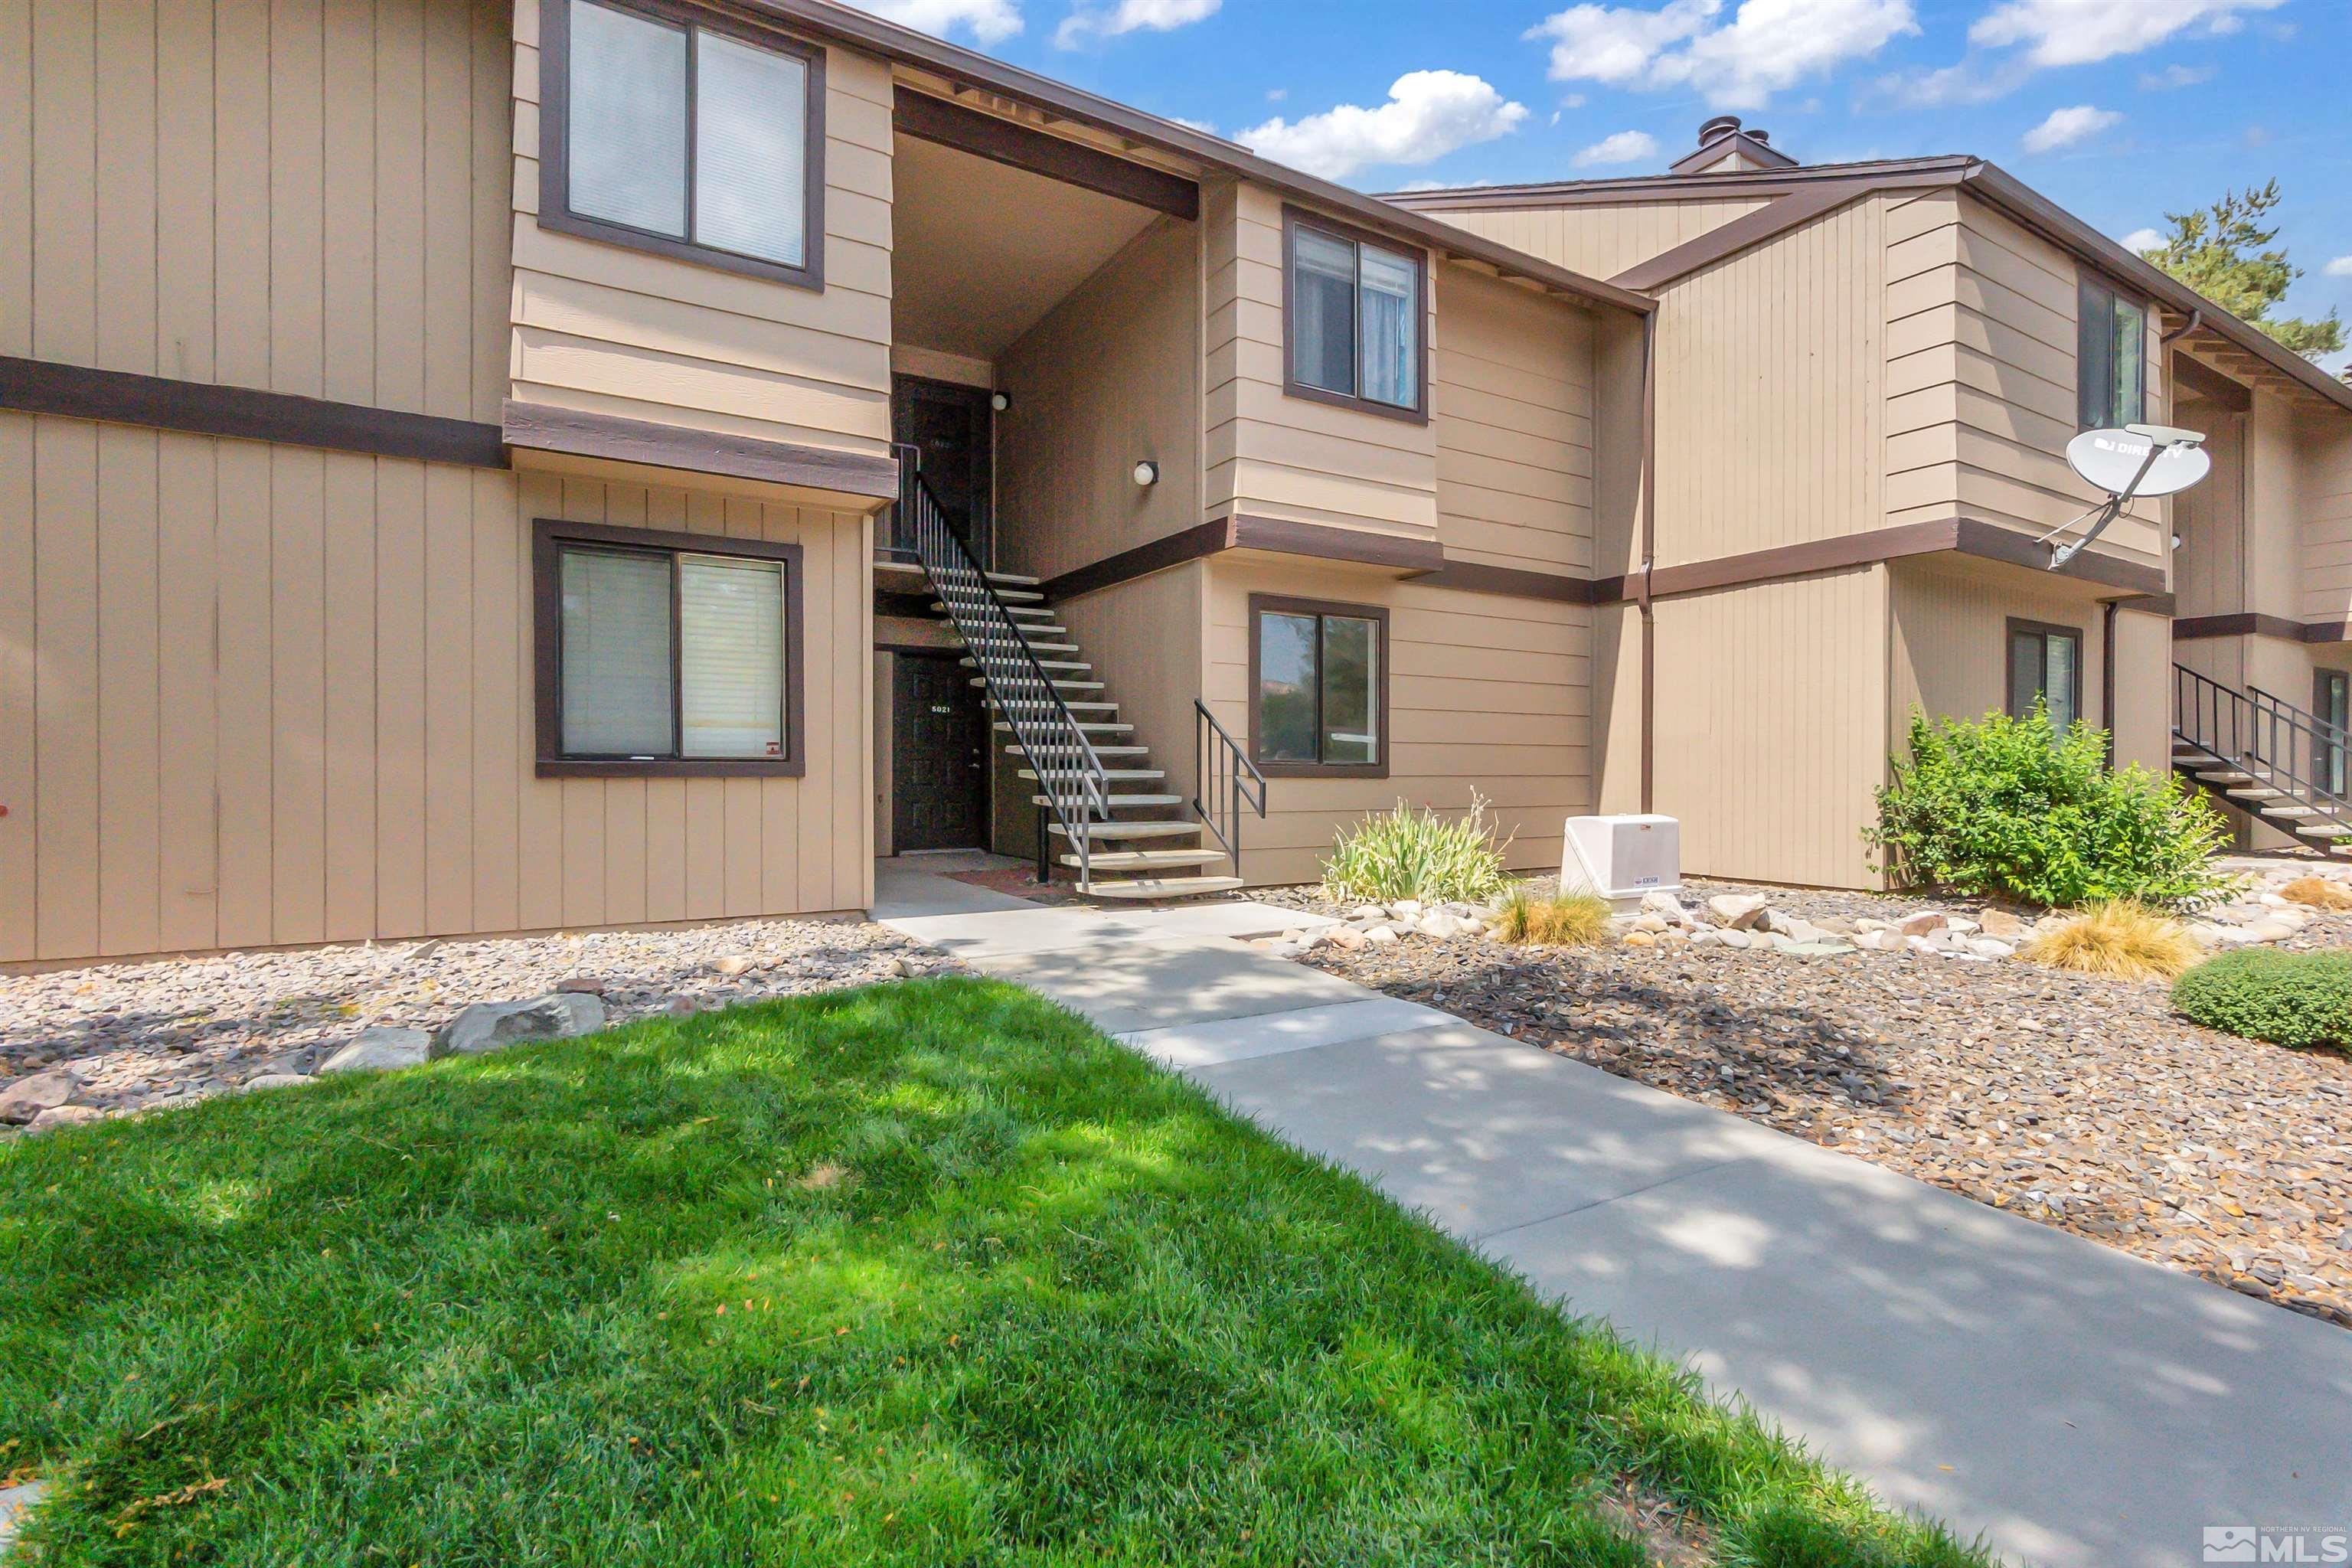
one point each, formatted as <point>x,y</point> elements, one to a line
<point>939,742</point>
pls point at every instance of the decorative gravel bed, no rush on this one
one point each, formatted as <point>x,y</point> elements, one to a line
<point>2078,1101</point>
<point>132,1037</point>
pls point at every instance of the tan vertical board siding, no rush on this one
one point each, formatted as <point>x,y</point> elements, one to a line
<point>1511,396</point>
<point>1770,413</point>
<point>2327,514</point>
<point>618,331</point>
<point>2277,464</point>
<point>1487,693</point>
<point>1602,240</point>
<point>367,705</point>
<point>1950,647</point>
<point>1981,378</point>
<point>2208,571</point>
<point>1771,726</point>
<point>247,188</point>
<point>1109,378</point>
<point>1270,455</point>
<point>2142,721</point>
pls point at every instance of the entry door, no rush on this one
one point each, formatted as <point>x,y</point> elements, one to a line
<point>938,757</point>
<point>2331,698</point>
<point>951,426</point>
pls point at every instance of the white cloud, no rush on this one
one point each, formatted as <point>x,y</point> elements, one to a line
<point>1131,16</point>
<point>2339,267</point>
<point>1965,83</point>
<point>990,21</point>
<point>2172,77</point>
<point>2140,240</point>
<point>2064,127</point>
<point>1766,46</point>
<point>1572,100</point>
<point>1626,147</point>
<point>2079,31</point>
<point>1428,114</point>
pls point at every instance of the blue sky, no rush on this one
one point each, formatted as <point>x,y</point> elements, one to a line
<point>2119,110</point>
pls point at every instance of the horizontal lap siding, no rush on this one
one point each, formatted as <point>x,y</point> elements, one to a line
<point>280,695</point>
<point>1981,375</point>
<point>1270,455</point>
<point>612,329</point>
<point>1512,398</point>
<point>1600,240</point>
<point>1486,694</point>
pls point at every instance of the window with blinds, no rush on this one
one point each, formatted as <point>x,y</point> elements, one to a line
<point>688,138</point>
<point>667,656</point>
<point>1353,319</point>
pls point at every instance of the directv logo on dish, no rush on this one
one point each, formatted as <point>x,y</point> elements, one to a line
<point>2244,1543</point>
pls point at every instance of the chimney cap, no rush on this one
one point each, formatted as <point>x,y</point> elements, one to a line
<point>1761,137</point>
<point>1720,127</point>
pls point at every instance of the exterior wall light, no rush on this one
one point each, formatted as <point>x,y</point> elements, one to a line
<point>1146,473</point>
<point>1000,401</point>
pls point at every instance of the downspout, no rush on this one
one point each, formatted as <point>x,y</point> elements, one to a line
<point>2108,675</point>
<point>1649,557</point>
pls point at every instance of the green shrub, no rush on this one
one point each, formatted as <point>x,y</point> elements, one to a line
<point>1410,853</point>
<point>2286,998</point>
<point>2002,806</point>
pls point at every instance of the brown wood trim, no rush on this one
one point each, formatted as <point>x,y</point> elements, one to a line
<point>555,147</point>
<point>1991,542</point>
<point>1958,536</point>
<point>1768,222</point>
<point>1326,542</point>
<point>1015,145</point>
<point>541,427</point>
<point>2148,605</point>
<point>1510,582</point>
<point>2249,623</point>
<point>1154,556</point>
<point>547,537</point>
<point>207,408</point>
<point>1281,604</point>
<point>2327,631</point>
<point>2008,659</point>
<point>2189,376</point>
<point>1418,414</point>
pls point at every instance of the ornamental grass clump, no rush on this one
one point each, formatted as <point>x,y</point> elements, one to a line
<point>1410,853</point>
<point>2261,994</point>
<point>2015,808</point>
<point>2317,894</point>
<point>1570,920</point>
<point>2120,938</point>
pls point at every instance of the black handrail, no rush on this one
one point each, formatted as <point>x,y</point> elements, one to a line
<point>2278,746</point>
<point>1071,778</point>
<point>1223,772</point>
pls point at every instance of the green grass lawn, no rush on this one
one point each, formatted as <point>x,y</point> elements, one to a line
<point>931,1273</point>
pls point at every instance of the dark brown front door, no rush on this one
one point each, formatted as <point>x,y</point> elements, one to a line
<point>938,756</point>
<point>951,426</point>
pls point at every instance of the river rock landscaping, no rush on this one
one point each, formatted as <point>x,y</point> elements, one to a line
<point>79,1044</point>
<point>1867,1025</point>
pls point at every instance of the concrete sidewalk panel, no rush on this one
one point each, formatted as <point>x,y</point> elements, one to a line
<point>1270,1034</point>
<point>1128,987</point>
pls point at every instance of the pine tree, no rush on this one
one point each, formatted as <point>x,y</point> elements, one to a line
<point>2219,253</point>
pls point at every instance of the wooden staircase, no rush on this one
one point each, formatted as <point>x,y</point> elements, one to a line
<point>2267,759</point>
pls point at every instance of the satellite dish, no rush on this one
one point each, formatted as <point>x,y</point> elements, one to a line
<point>2112,459</point>
<point>2135,461</point>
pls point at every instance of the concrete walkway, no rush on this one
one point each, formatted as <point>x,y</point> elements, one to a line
<point>2081,1407</point>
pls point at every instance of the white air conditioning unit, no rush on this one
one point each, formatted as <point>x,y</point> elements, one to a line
<point>1622,858</point>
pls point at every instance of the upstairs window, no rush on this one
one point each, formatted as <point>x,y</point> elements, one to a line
<point>1354,319</point>
<point>2111,358</point>
<point>1319,688</point>
<point>683,138</point>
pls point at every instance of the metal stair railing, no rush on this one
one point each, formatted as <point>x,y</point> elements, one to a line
<point>2335,755</point>
<point>1223,773</point>
<point>1070,777</point>
<point>2278,745</point>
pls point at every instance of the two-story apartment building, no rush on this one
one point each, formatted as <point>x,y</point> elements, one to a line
<point>478,466</point>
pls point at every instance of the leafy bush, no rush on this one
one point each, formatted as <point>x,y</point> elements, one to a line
<point>1570,919</point>
<point>1410,853</point>
<point>2120,938</point>
<point>2005,807</point>
<point>2286,998</point>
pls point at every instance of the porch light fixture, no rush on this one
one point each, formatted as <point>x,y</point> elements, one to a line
<point>1146,473</point>
<point>1000,401</point>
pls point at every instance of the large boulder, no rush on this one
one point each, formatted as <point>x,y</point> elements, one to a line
<point>494,1026</point>
<point>1737,911</point>
<point>379,1048</point>
<point>26,1097</point>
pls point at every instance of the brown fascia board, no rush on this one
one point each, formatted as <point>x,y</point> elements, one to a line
<point>1058,100</point>
<point>1681,187</point>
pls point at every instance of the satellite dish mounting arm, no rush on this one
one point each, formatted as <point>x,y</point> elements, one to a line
<point>2161,440</point>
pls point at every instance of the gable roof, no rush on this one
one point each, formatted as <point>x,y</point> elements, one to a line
<point>1804,194</point>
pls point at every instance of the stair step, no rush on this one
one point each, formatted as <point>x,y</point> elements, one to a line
<point>1091,830</point>
<point>1148,860</point>
<point>1089,725</point>
<point>1027,612</point>
<point>1060,685</point>
<point>1160,887</point>
<point>1032,644</point>
<point>1042,664</point>
<point>1115,775</point>
<point>2326,830</point>
<point>1021,595</point>
<point>1075,708</point>
<point>1100,752</point>
<point>2224,775</point>
<point>1013,579</point>
<point>2295,809</point>
<point>2255,792</point>
<point>1123,802</point>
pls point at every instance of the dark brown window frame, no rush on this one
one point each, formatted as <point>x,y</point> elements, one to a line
<point>1261,604</point>
<point>1293,219</point>
<point>555,141</point>
<point>548,537</point>
<point>2084,282</point>
<point>2009,661</point>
